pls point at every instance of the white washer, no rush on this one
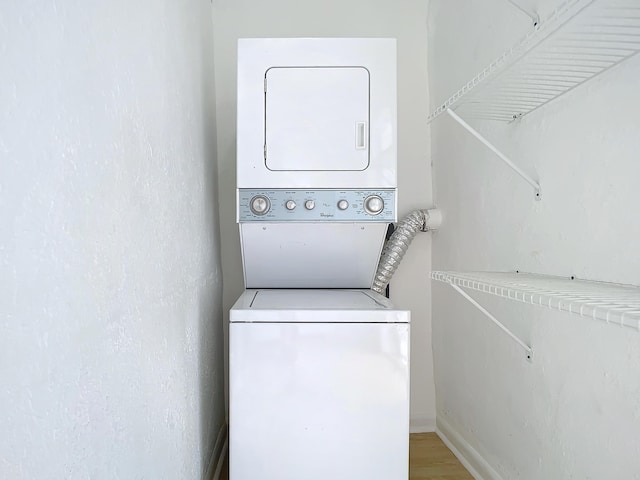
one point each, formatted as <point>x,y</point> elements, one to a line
<point>319,386</point>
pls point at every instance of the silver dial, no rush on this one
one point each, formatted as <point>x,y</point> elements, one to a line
<point>309,204</point>
<point>373,204</point>
<point>290,204</point>
<point>343,204</point>
<point>260,205</point>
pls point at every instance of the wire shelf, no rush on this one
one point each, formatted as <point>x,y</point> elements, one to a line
<point>613,303</point>
<point>579,40</point>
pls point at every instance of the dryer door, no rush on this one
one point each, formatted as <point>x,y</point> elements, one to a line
<point>317,118</point>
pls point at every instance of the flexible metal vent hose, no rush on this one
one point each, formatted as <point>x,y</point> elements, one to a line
<point>398,244</point>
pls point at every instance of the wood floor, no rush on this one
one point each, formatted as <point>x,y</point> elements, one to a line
<point>429,459</point>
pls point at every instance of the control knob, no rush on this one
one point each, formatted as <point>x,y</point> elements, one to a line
<point>343,204</point>
<point>290,204</point>
<point>309,204</point>
<point>260,205</point>
<point>373,204</point>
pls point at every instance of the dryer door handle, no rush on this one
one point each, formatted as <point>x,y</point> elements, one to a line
<point>361,135</point>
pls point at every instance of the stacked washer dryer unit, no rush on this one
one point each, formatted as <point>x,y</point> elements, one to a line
<point>319,364</point>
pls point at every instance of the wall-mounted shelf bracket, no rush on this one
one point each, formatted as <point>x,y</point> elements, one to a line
<point>501,156</point>
<point>529,13</point>
<point>528,350</point>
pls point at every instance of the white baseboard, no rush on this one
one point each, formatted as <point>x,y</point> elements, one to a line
<point>217,455</point>
<point>478,467</point>
<point>418,424</point>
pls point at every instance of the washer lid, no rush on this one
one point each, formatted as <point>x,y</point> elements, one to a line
<point>315,306</point>
<point>315,299</point>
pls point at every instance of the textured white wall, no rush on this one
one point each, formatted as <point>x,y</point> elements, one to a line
<point>405,21</point>
<point>110,317</point>
<point>574,412</point>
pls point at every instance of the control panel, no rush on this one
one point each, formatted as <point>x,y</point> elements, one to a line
<point>283,205</point>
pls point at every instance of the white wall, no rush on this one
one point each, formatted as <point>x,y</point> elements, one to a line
<point>575,411</point>
<point>110,317</point>
<point>405,21</point>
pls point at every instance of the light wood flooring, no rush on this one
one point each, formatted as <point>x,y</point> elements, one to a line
<point>429,459</point>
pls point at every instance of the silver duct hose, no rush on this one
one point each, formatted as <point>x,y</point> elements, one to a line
<point>398,244</point>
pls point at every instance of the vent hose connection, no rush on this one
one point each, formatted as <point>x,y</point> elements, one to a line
<point>398,244</point>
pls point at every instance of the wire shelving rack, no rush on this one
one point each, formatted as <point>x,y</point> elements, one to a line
<point>613,303</point>
<point>578,41</point>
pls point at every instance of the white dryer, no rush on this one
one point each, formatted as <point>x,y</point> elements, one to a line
<point>316,159</point>
<point>319,386</point>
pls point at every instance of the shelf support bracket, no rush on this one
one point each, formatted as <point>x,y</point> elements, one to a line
<point>533,15</point>
<point>528,350</point>
<point>501,156</point>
